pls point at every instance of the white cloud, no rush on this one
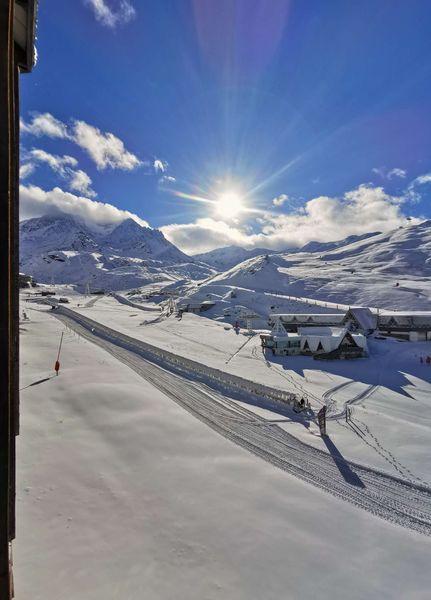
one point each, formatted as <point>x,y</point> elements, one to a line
<point>56,163</point>
<point>104,148</point>
<point>397,173</point>
<point>385,174</point>
<point>204,235</point>
<point>167,179</point>
<point>35,202</point>
<point>324,219</point>
<point>159,166</point>
<point>422,179</point>
<point>45,124</point>
<point>412,192</point>
<point>111,17</point>
<point>77,179</point>
<point>280,200</point>
<point>26,170</point>
<point>80,182</point>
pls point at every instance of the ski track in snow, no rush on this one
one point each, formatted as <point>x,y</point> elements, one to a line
<point>92,302</point>
<point>393,499</point>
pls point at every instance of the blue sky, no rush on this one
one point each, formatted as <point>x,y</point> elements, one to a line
<point>311,119</point>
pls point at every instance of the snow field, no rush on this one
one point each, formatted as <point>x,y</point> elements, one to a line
<point>123,494</point>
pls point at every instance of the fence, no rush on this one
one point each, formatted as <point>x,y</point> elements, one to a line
<point>179,363</point>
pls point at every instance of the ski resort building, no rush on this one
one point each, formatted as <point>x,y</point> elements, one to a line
<point>413,326</point>
<point>195,307</point>
<point>332,343</point>
<point>291,322</point>
<point>360,318</point>
<point>409,325</point>
<point>319,342</point>
<point>357,318</point>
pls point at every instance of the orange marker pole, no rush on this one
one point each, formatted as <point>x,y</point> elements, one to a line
<point>57,362</point>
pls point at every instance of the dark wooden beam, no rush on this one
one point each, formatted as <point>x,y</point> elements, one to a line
<point>9,148</point>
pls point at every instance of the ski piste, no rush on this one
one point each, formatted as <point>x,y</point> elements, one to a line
<point>213,402</point>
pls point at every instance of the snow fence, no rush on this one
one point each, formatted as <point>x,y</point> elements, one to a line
<point>128,302</point>
<point>186,366</point>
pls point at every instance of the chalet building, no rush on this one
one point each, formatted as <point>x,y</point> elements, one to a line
<point>357,318</point>
<point>409,325</point>
<point>332,343</point>
<point>291,322</point>
<point>360,318</point>
<point>281,341</point>
<point>195,307</point>
<point>319,342</point>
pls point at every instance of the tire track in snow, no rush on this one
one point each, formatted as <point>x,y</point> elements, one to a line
<point>393,499</point>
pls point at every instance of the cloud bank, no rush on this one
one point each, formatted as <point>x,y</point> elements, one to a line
<point>35,202</point>
<point>280,200</point>
<point>104,148</point>
<point>45,124</point>
<point>364,209</point>
<point>64,166</point>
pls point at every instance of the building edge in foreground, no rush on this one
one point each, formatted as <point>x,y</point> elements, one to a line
<point>17,27</point>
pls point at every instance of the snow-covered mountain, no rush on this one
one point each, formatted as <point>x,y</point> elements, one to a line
<point>228,256</point>
<point>131,239</point>
<point>326,246</point>
<point>386,270</point>
<point>64,249</point>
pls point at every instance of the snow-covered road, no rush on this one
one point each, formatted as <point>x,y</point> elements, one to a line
<point>387,497</point>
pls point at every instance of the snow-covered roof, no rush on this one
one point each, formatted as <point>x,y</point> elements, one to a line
<point>408,319</point>
<point>329,338</point>
<point>405,313</point>
<point>308,318</point>
<point>363,317</point>
<point>287,335</point>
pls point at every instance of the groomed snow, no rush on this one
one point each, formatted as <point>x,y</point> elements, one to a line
<point>123,494</point>
<point>390,392</point>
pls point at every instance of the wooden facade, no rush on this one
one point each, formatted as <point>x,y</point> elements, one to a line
<point>17,20</point>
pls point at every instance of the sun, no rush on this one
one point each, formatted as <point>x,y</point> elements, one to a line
<point>229,205</point>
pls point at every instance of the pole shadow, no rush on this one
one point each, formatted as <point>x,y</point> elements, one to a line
<point>346,471</point>
<point>36,382</point>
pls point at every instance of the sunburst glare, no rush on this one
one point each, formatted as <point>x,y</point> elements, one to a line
<point>229,204</point>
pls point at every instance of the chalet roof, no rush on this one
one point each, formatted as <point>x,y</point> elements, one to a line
<point>405,318</point>
<point>363,317</point>
<point>308,318</point>
<point>329,338</point>
<point>405,313</point>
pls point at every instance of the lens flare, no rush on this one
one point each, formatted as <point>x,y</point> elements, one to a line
<point>229,204</point>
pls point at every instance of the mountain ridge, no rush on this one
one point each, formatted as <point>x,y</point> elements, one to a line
<point>62,248</point>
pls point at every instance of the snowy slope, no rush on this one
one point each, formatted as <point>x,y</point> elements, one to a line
<point>390,270</point>
<point>130,239</point>
<point>229,256</point>
<point>325,246</point>
<point>63,249</point>
<point>146,500</point>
